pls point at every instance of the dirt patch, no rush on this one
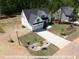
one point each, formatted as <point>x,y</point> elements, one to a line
<point>1,30</point>
<point>7,48</point>
<point>10,19</point>
<point>10,23</point>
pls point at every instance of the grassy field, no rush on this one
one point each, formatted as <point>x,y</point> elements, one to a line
<point>32,38</point>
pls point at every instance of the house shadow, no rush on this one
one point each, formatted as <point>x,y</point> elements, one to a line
<point>39,30</point>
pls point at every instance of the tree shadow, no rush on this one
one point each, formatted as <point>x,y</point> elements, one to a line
<point>7,16</point>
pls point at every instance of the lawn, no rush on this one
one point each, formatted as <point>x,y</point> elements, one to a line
<point>58,28</point>
<point>50,51</point>
<point>73,35</point>
<point>62,28</point>
<point>33,37</point>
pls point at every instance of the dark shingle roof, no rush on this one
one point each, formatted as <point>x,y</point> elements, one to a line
<point>67,10</point>
<point>31,14</point>
<point>32,18</point>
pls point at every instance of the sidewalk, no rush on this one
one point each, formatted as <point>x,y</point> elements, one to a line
<point>54,39</point>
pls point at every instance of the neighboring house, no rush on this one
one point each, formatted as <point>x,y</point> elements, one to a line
<point>77,14</point>
<point>35,19</point>
<point>65,14</point>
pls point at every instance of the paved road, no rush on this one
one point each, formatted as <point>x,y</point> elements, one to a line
<point>54,39</point>
<point>70,50</point>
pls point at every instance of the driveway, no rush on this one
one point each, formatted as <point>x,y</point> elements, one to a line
<point>54,39</point>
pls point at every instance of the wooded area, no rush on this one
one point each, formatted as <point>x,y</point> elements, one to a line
<point>13,6</point>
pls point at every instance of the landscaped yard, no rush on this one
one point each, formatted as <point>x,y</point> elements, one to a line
<point>64,28</point>
<point>58,28</point>
<point>32,38</point>
<point>50,51</point>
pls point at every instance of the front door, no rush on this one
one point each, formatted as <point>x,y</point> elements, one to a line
<point>45,25</point>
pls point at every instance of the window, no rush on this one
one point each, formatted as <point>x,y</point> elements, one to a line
<point>38,20</point>
<point>38,23</point>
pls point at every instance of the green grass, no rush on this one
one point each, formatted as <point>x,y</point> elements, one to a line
<point>50,51</point>
<point>58,28</point>
<point>73,35</point>
<point>32,38</point>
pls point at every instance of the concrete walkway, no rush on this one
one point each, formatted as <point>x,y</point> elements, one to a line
<point>54,39</point>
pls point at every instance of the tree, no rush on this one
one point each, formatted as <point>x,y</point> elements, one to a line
<point>12,6</point>
<point>54,5</point>
<point>9,6</point>
<point>67,2</point>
